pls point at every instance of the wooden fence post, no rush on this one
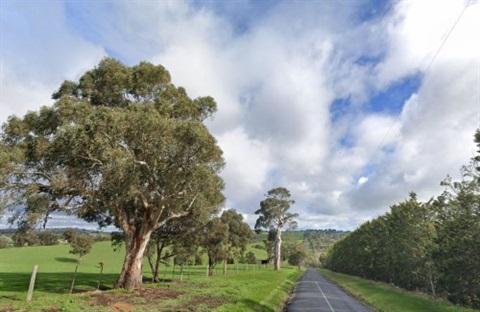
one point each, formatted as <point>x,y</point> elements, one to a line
<point>73,281</point>
<point>32,283</point>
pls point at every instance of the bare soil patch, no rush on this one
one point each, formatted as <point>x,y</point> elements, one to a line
<point>126,302</point>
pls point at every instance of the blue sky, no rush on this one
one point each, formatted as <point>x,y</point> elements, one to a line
<point>326,98</point>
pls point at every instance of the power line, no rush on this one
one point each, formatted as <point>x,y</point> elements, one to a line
<point>426,71</point>
<point>445,40</point>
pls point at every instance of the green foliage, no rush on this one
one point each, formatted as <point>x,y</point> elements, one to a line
<point>198,259</point>
<point>25,236</point>
<point>273,212</point>
<point>320,240</point>
<point>70,235</point>
<point>81,245</point>
<point>47,238</point>
<point>5,241</point>
<point>431,246</point>
<point>457,256</point>
<point>295,252</point>
<point>238,235</point>
<point>394,248</point>
<point>250,258</point>
<point>214,236</point>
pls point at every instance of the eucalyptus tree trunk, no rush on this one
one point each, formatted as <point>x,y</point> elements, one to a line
<point>225,261</point>
<point>131,275</point>
<point>277,262</point>
<point>211,266</point>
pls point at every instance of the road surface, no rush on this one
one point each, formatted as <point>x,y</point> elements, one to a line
<point>315,293</point>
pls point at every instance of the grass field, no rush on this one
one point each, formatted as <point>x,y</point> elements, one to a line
<point>384,297</point>
<point>245,288</point>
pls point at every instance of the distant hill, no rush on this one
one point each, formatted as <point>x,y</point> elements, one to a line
<point>57,231</point>
<point>327,235</point>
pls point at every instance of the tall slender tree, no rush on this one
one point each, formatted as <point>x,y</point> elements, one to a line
<point>274,214</point>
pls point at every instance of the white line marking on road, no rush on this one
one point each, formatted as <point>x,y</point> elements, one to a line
<point>323,294</point>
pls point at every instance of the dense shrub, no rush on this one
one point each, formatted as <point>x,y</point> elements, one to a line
<point>5,242</point>
<point>70,235</point>
<point>47,238</point>
<point>28,238</point>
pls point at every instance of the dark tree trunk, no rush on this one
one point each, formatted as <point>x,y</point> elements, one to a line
<point>131,275</point>
<point>211,266</point>
<point>156,272</point>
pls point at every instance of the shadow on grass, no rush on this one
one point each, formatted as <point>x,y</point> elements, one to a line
<point>66,260</point>
<point>58,283</point>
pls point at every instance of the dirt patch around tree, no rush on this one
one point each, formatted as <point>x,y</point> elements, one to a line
<point>128,301</point>
<point>155,299</point>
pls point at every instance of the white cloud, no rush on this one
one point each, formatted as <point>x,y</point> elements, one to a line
<point>37,54</point>
<point>248,164</point>
<point>362,180</point>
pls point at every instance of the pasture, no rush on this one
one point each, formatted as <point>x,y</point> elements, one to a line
<point>245,288</point>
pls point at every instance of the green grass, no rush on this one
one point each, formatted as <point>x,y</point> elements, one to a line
<point>260,254</point>
<point>384,297</point>
<point>55,268</point>
<point>245,288</point>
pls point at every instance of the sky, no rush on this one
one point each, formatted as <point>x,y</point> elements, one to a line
<point>351,105</point>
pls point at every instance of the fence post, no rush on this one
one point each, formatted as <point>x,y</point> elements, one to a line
<point>73,281</point>
<point>32,283</point>
<point>101,271</point>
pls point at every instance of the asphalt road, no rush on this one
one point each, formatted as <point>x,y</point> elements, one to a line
<point>315,293</point>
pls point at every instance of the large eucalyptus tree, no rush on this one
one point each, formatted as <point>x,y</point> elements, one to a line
<point>274,215</point>
<point>122,145</point>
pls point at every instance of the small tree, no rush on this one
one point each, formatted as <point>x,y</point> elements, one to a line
<point>81,245</point>
<point>238,236</point>
<point>274,215</point>
<point>213,237</point>
<point>297,254</point>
